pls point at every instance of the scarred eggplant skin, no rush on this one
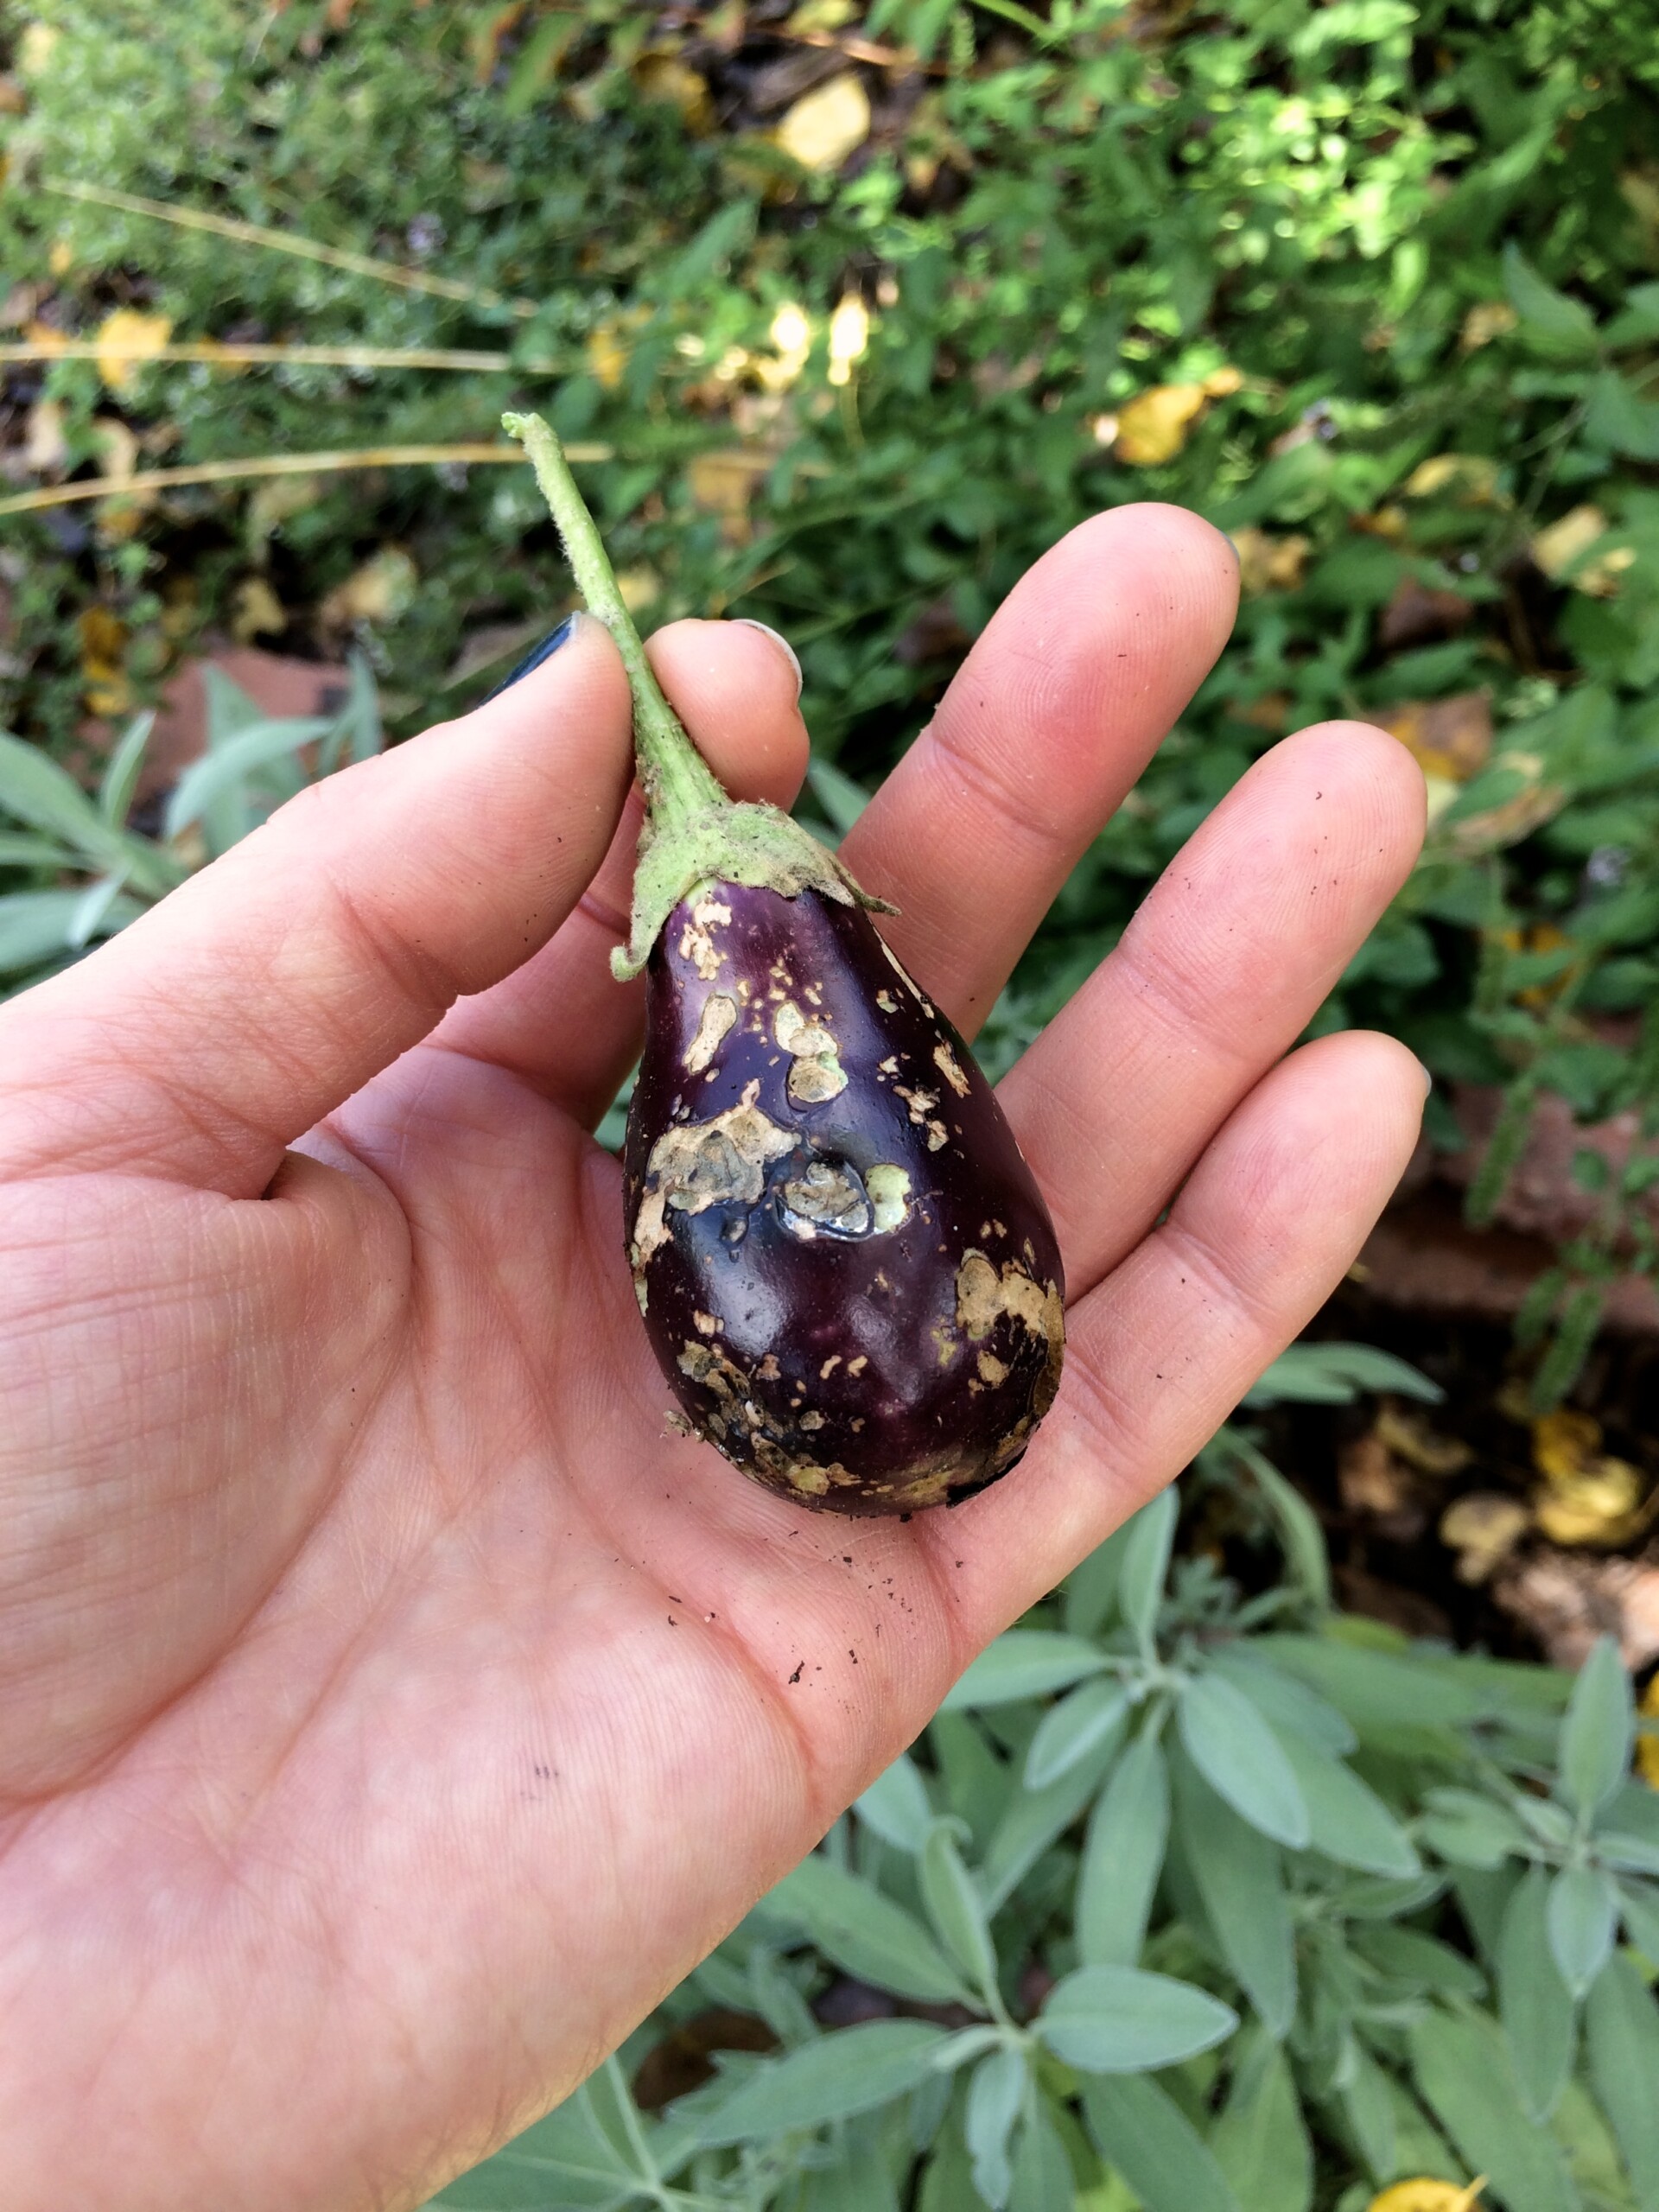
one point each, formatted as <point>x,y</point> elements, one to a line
<point>845,1267</point>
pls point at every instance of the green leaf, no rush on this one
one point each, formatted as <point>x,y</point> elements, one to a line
<point>1349,1822</point>
<point>1261,2140</point>
<point>1409,1955</point>
<point>120,777</point>
<point>1146,1562</point>
<point>1287,1704</point>
<point>1073,1728</point>
<point>1240,1757</point>
<point>1638,1907</point>
<point>1459,2066</point>
<point>36,791</point>
<point>1042,2171</point>
<point>1140,2130</point>
<point>1119,2020</point>
<point>1598,1732</point>
<point>851,2071</point>
<point>995,2094</point>
<point>1335,1375</point>
<point>1090,1591</point>
<point>1301,1536</point>
<point>1023,1662</point>
<point>842,799</point>
<point>36,925</point>
<point>725,233</point>
<point>220,775</point>
<point>866,1934</point>
<point>895,1806</point>
<point>1123,1856</point>
<point>1033,1821</point>
<point>1534,2000</point>
<point>1236,1872</point>
<point>1368,2105</point>
<point>1631,1854</point>
<point>1622,2037</point>
<point>956,1907</point>
<point>1470,1830</point>
<point>1616,418</point>
<point>1556,323</point>
<point>1582,1917</point>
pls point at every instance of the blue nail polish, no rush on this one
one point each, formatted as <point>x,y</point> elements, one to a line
<point>533,658</point>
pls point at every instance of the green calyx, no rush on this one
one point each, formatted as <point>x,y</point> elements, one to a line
<point>694,834</point>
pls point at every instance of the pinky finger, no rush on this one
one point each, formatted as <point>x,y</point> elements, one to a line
<point>1161,1351</point>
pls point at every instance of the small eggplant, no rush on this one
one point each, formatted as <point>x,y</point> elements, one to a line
<point>845,1268</point>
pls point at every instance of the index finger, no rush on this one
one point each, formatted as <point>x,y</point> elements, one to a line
<point>202,1041</point>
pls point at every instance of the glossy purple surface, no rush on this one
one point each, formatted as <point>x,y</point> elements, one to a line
<point>845,1267</point>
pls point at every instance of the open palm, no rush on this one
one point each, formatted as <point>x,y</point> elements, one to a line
<point>392,1708</point>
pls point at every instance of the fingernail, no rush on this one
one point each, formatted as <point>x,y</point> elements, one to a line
<point>783,644</point>
<point>534,657</point>
<point>1428,1079</point>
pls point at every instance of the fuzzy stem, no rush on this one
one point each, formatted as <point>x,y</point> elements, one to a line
<point>677,780</point>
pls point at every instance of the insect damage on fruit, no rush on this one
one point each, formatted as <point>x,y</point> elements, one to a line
<point>844,1264</point>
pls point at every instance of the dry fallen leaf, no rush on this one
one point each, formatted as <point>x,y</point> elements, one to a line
<point>1425,2195</point>
<point>44,446</point>
<point>1409,1437</point>
<point>256,612</point>
<point>827,123</point>
<point>1449,738</point>
<point>1483,1529</point>
<point>664,78</point>
<point>723,483</point>
<point>1566,1601</point>
<point>381,590</point>
<point>1589,1497</point>
<point>1559,549</point>
<point>1472,476</point>
<point>1370,1480</point>
<point>103,655</point>
<point>1153,428</point>
<point>125,339</point>
<point>1267,563</point>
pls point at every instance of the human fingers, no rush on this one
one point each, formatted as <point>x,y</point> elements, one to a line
<point>1051,719</point>
<point>198,1044</point>
<point>1160,1352</point>
<point>563,1021</point>
<point>1228,959</point>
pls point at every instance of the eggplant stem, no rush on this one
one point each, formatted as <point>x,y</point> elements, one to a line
<point>677,782</point>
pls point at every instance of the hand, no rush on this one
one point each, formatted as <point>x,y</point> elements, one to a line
<point>391,1710</point>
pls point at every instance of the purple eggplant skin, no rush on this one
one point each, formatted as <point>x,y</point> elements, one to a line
<point>846,1270</point>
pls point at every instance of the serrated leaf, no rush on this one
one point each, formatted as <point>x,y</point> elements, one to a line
<point>1023,1662</point>
<point>1093,1712</point>
<point>1144,1564</point>
<point>1582,1917</point>
<point>1534,2002</point>
<point>1598,1732</point>
<point>956,1907</point>
<point>1141,2131</point>
<point>1261,2140</point>
<point>1122,1857</point>
<point>866,1934</point>
<point>853,2070</point>
<point>1119,2020</point>
<point>1236,1871</point>
<point>1622,2038</point>
<point>1349,1822</point>
<point>1232,1746</point>
<point>896,1806</point>
<point>996,2094</point>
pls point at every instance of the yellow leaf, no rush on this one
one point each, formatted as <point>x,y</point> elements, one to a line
<point>61,260</point>
<point>1647,1747</point>
<point>1153,428</point>
<point>44,445</point>
<point>1449,738</point>
<point>827,123</point>
<point>1564,1443</point>
<point>381,591</point>
<point>1425,2195</point>
<point>849,335</point>
<point>103,652</point>
<point>665,79</point>
<point>1483,1529</point>
<point>1267,563</point>
<point>721,484</point>
<point>34,47</point>
<point>1559,549</point>
<point>126,338</point>
<point>1220,382</point>
<point>256,612</point>
<point>1601,1506</point>
<point>1488,320</point>
<point>1472,476</point>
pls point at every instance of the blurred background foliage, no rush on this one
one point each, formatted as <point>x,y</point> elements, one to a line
<point>852,310</point>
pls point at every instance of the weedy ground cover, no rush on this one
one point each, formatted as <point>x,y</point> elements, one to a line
<point>849,313</point>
